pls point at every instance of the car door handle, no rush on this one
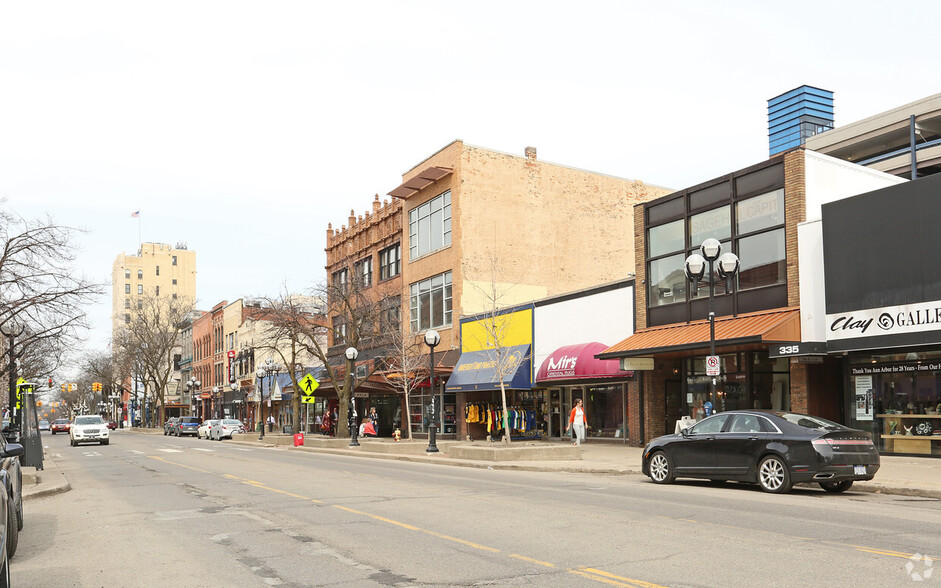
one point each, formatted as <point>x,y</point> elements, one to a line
<point>712,438</point>
<point>753,438</point>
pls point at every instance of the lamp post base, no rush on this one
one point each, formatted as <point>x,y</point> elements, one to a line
<point>354,442</point>
<point>432,446</point>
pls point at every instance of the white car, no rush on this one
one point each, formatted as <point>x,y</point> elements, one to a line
<point>203,430</point>
<point>226,428</point>
<point>89,428</point>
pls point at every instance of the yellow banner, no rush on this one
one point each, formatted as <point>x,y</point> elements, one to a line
<point>505,330</point>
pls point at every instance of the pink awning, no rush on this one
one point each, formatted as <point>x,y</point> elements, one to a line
<point>577,362</point>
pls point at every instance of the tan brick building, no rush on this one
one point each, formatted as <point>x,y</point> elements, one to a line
<point>157,269</point>
<point>481,226</point>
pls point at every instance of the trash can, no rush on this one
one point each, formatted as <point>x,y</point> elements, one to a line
<point>298,439</point>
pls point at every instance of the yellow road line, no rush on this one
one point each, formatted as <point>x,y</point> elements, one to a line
<point>461,541</point>
<point>889,553</point>
<point>177,464</point>
<point>631,580</point>
<point>601,579</point>
<point>531,560</point>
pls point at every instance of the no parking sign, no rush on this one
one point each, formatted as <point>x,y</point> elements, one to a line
<point>712,365</point>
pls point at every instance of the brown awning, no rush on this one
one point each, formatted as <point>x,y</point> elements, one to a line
<point>782,324</point>
<point>425,178</point>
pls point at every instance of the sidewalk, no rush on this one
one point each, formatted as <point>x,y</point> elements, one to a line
<point>909,476</point>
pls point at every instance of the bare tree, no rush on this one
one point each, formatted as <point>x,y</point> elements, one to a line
<point>290,327</point>
<point>41,289</point>
<point>148,341</point>
<point>495,327</point>
<point>405,365</point>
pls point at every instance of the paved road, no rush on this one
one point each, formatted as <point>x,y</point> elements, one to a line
<point>150,510</point>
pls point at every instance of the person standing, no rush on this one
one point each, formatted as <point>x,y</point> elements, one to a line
<point>374,417</point>
<point>578,421</point>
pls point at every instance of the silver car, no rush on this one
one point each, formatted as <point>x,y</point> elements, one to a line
<point>89,428</point>
<point>225,428</point>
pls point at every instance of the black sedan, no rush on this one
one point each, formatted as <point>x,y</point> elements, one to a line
<point>773,449</point>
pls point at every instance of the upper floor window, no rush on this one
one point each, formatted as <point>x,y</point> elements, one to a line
<point>127,303</point>
<point>341,279</point>
<point>339,330</point>
<point>173,262</point>
<point>430,302</point>
<point>363,269</point>
<point>174,281</point>
<point>140,288</point>
<point>127,274</point>
<point>140,274</point>
<point>157,290</point>
<point>127,288</point>
<point>390,262</point>
<point>390,315</point>
<point>429,226</point>
<point>158,270</point>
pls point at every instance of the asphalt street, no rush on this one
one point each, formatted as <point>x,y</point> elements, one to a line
<point>149,509</point>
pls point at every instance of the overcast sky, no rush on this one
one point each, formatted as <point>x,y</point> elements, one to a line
<point>243,128</point>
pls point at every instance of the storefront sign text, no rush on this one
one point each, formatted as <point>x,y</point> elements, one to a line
<point>889,320</point>
<point>895,369</point>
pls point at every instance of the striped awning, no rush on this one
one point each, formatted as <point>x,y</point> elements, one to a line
<point>782,324</point>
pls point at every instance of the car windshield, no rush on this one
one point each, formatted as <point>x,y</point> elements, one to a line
<point>62,421</point>
<point>811,422</point>
<point>231,422</point>
<point>89,420</point>
<point>189,420</point>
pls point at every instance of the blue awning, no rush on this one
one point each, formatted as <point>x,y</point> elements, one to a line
<point>480,370</point>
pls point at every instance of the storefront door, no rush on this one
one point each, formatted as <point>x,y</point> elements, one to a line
<point>674,402</point>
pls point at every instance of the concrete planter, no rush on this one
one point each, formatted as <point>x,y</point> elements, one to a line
<point>514,452</point>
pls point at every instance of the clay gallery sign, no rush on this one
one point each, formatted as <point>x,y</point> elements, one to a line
<point>889,320</point>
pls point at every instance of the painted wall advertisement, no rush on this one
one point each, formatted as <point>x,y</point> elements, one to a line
<point>864,408</point>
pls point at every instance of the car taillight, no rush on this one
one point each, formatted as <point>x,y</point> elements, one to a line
<point>833,442</point>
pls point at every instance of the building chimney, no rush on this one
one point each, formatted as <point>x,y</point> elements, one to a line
<point>530,153</point>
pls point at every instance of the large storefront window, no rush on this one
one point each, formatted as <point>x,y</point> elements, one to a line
<point>766,385</point>
<point>897,398</point>
<point>604,409</point>
<point>763,260</point>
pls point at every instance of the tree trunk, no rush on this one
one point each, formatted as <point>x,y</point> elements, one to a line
<point>506,415</point>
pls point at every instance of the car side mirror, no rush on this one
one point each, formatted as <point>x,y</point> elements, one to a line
<point>13,450</point>
<point>685,432</point>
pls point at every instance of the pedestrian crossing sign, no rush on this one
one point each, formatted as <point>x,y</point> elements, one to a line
<point>308,386</point>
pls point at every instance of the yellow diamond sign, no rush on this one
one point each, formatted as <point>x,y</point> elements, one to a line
<point>308,385</point>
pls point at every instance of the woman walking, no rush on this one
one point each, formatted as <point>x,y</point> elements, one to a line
<point>578,421</point>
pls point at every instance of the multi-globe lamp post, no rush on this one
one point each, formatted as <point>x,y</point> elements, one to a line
<point>192,386</point>
<point>726,265</point>
<point>432,338</point>
<point>351,354</point>
<point>265,370</point>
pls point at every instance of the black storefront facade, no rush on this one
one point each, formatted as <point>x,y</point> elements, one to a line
<point>883,312</point>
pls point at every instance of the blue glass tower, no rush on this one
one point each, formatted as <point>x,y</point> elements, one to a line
<point>796,115</point>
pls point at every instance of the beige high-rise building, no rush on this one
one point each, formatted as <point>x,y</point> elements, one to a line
<point>157,269</point>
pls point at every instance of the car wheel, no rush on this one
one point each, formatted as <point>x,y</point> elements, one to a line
<point>661,468</point>
<point>5,573</point>
<point>836,487</point>
<point>164,432</point>
<point>73,442</point>
<point>773,475</point>
<point>53,432</point>
<point>13,532</point>
<point>106,442</point>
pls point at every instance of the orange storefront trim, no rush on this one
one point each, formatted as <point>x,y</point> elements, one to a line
<point>782,324</point>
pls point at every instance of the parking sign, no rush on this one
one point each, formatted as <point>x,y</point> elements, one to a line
<point>712,365</point>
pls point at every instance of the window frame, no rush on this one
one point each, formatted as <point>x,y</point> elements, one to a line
<point>428,288</point>
<point>389,267</point>
<point>421,220</point>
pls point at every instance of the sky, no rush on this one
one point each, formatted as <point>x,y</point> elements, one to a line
<point>243,128</point>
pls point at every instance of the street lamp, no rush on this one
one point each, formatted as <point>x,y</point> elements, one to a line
<point>432,338</point>
<point>351,355</point>
<point>216,401</point>
<point>695,269</point>
<point>264,371</point>
<point>192,385</point>
<point>12,329</point>
<point>233,387</point>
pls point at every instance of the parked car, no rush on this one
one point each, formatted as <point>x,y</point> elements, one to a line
<point>185,426</point>
<point>60,426</point>
<point>773,449</point>
<point>225,428</point>
<point>112,425</point>
<point>203,429</point>
<point>89,428</point>
<point>170,425</point>
<point>7,535</point>
<point>44,425</point>
<point>12,478</point>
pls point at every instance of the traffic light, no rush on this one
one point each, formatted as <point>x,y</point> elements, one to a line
<point>50,382</point>
<point>39,403</point>
<point>64,387</point>
<point>96,387</point>
<point>71,387</point>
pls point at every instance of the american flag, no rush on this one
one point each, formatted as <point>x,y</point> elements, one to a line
<point>135,214</point>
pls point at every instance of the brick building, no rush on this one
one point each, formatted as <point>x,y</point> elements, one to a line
<point>766,361</point>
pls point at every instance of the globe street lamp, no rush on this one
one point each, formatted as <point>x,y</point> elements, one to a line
<point>192,386</point>
<point>351,355</point>
<point>265,370</point>
<point>12,329</point>
<point>233,387</point>
<point>215,401</point>
<point>695,269</point>
<point>432,338</point>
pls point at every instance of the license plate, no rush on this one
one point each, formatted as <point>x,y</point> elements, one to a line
<point>859,470</point>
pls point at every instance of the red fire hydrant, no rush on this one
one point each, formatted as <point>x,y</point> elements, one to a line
<point>397,434</point>
<point>298,439</point>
